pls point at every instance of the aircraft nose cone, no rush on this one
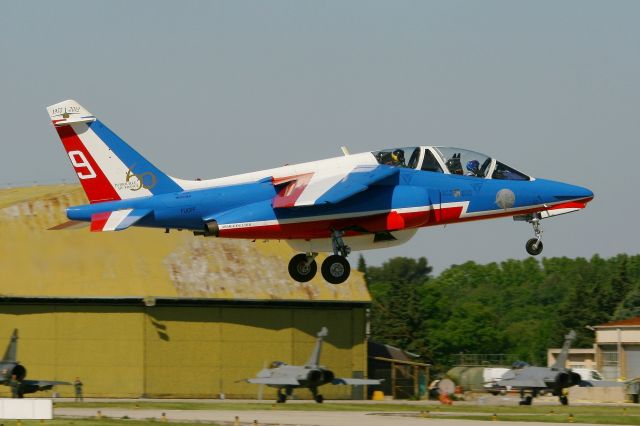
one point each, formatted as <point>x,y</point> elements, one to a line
<point>583,193</point>
<point>568,192</point>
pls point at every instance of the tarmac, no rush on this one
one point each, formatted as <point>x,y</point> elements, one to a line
<point>287,418</point>
<point>292,418</point>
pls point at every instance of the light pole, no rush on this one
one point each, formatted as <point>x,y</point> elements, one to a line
<point>619,354</point>
<point>595,346</point>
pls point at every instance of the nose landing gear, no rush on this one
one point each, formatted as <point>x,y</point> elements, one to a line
<point>534,245</point>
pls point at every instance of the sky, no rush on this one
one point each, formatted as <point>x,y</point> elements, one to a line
<point>213,88</point>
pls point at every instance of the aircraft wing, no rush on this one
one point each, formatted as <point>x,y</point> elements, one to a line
<point>355,382</point>
<point>318,188</point>
<point>44,383</point>
<point>274,381</point>
<point>530,383</point>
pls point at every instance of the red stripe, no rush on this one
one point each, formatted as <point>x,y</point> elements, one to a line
<point>288,195</point>
<point>99,188</point>
<point>571,205</point>
<point>98,221</point>
<point>377,223</point>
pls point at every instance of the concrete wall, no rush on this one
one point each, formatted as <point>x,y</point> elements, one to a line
<point>595,394</point>
<point>179,351</point>
<point>610,335</point>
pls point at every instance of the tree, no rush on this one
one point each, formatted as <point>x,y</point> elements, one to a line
<point>397,313</point>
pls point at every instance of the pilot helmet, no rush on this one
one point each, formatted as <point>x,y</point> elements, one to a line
<point>473,165</point>
<point>398,156</point>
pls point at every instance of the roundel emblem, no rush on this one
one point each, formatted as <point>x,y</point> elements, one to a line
<point>505,198</point>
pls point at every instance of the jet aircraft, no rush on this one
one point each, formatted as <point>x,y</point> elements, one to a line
<point>286,377</point>
<point>362,201</point>
<point>10,367</point>
<point>535,380</point>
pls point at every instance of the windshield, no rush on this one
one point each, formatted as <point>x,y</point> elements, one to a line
<point>399,157</point>
<point>464,162</point>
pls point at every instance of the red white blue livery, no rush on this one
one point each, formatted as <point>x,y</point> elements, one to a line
<point>361,201</point>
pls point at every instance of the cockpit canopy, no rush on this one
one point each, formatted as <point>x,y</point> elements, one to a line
<point>448,160</point>
<point>276,364</point>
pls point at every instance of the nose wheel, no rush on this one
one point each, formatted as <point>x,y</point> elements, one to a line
<point>534,245</point>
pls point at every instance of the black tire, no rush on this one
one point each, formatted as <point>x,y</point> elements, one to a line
<point>335,269</point>
<point>534,247</point>
<point>564,400</point>
<point>319,399</point>
<point>526,401</point>
<point>300,270</point>
<point>282,398</point>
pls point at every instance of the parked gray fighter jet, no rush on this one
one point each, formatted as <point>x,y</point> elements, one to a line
<point>11,368</point>
<point>536,380</point>
<point>311,375</point>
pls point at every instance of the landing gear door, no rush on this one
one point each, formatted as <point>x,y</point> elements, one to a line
<point>435,200</point>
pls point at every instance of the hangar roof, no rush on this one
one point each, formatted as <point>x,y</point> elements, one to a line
<point>138,262</point>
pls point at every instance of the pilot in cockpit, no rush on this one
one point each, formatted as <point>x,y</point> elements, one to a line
<point>454,165</point>
<point>397,158</point>
<point>473,168</point>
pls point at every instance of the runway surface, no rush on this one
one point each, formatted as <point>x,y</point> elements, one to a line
<point>286,418</point>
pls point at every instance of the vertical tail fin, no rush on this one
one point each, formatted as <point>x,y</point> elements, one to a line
<point>314,359</point>
<point>12,349</point>
<point>561,361</point>
<point>107,167</point>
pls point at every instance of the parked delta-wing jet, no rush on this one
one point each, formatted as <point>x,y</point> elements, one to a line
<point>535,380</point>
<point>360,201</point>
<point>286,377</point>
<point>12,370</point>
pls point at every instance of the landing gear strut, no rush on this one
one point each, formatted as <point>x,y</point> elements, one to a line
<point>283,394</point>
<point>316,396</point>
<point>534,245</point>
<point>336,268</point>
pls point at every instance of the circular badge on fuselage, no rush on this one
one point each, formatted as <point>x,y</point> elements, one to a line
<point>505,198</point>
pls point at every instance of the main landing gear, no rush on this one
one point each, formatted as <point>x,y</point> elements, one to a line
<point>283,394</point>
<point>335,268</point>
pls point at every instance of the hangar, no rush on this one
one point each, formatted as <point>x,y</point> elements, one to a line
<point>141,313</point>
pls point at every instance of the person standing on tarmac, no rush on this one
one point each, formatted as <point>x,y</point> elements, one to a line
<point>77,384</point>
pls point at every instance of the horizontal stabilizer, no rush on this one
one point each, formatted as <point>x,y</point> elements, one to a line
<point>116,220</point>
<point>71,224</point>
<point>356,382</point>
<point>274,381</point>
